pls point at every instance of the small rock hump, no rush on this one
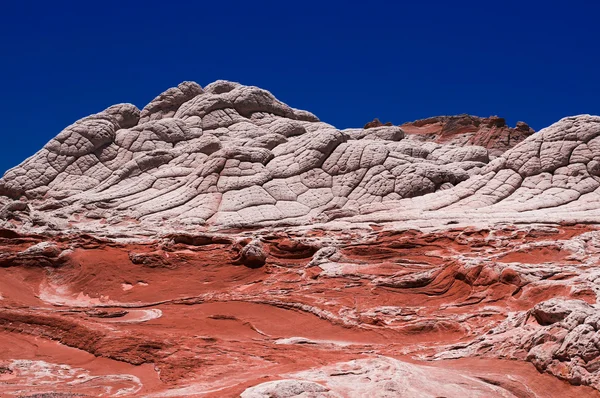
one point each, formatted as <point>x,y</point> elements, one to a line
<point>376,123</point>
<point>167,103</point>
<point>251,254</point>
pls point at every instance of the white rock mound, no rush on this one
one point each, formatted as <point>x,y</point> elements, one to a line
<point>231,155</point>
<point>380,377</point>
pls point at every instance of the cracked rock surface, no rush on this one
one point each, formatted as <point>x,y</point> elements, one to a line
<point>219,242</point>
<point>233,156</point>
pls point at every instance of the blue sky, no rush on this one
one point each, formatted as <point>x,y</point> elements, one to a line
<point>346,62</point>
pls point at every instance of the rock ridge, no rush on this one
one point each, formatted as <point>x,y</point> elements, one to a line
<point>231,155</point>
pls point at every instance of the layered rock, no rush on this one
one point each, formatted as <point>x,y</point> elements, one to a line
<point>221,243</point>
<point>492,132</point>
<point>461,312</point>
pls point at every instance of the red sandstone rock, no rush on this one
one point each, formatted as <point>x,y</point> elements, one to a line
<point>376,123</point>
<point>203,324</point>
<point>491,133</point>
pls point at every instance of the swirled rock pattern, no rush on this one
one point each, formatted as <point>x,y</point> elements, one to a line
<point>219,242</point>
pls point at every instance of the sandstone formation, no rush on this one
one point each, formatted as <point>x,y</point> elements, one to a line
<point>492,133</point>
<point>221,243</point>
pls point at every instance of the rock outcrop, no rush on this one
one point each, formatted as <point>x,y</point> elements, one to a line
<point>235,156</point>
<point>229,155</point>
<point>491,133</point>
<point>221,243</point>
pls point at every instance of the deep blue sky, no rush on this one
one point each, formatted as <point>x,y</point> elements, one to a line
<point>347,63</point>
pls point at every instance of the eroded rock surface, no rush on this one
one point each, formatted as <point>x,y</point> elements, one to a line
<point>234,156</point>
<point>221,243</point>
